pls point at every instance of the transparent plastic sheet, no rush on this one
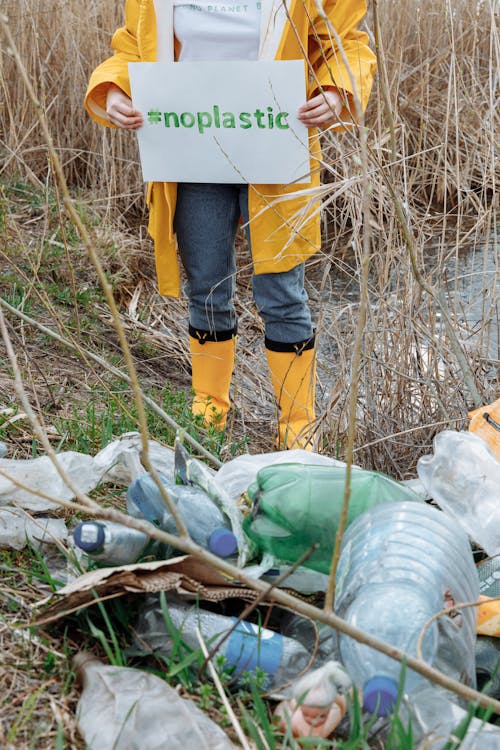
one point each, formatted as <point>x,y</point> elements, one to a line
<point>463,477</point>
<point>127,709</point>
<point>17,528</point>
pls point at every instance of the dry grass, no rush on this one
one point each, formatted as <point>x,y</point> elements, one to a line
<point>435,147</point>
<point>436,150</point>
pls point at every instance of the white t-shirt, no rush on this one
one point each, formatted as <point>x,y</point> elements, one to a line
<point>215,30</point>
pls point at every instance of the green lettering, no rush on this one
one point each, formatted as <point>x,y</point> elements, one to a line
<point>216,116</point>
<point>270,118</point>
<point>245,121</point>
<point>204,120</point>
<point>171,115</point>
<point>259,114</point>
<point>279,121</point>
<point>187,119</point>
<point>228,120</point>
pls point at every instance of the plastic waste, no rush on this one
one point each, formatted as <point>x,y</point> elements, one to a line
<point>247,648</point>
<point>488,665</point>
<point>436,717</point>
<point>4,449</point>
<point>463,477</point>
<point>318,702</point>
<point>485,422</point>
<point>488,613</point>
<point>86,472</point>
<point>110,543</point>
<point>126,709</point>
<point>235,476</point>
<point>296,506</point>
<point>399,564</point>
<point>194,472</point>
<point>17,528</point>
<point>303,580</point>
<point>319,640</point>
<point>204,521</point>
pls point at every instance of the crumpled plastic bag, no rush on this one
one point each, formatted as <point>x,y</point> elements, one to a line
<point>111,464</point>
<point>463,477</point>
<point>17,528</point>
<point>127,709</point>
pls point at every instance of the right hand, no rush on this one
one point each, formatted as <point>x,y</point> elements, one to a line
<point>120,110</point>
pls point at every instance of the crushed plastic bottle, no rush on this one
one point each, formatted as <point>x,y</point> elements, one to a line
<point>399,564</point>
<point>318,639</point>
<point>110,543</point>
<point>463,477</point>
<point>296,506</point>
<point>249,647</point>
<point>126,709</point>
<point>206,524</point>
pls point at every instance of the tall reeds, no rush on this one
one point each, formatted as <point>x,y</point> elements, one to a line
<point>433,153</point>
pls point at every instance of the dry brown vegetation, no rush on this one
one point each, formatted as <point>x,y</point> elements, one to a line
<point>432,127</point>
<point>433,187</point>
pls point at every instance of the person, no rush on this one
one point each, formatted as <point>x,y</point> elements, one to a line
<point>199,221</point>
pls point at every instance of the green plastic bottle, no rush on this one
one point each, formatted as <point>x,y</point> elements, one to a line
<point>296,505</point>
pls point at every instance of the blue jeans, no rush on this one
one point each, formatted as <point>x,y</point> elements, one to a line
<point>206,221</point>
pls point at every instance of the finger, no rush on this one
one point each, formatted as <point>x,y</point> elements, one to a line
<point>311,103</point>
<point>124,121</point>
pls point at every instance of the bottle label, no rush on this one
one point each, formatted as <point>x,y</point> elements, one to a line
<point>251,646</point>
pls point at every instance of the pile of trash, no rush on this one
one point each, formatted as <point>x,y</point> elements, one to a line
<point>405,572</point>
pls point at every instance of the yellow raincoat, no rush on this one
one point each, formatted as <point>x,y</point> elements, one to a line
<point>286,33</point>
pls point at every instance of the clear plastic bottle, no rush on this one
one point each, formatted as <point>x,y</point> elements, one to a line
<point>296,506</point>
<point>316,637</point>
<point>247,648</point>
<point>205,523</point>
<point>399,564</point>
<point>110,543</point>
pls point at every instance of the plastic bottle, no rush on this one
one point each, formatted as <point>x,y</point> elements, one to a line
<point>205,523</point>
<point>296,506</point>
<point>110,543</point>
<point>399,564</point>
<point>126,709</point>
<point>317,638</point>
<point>247,648</point>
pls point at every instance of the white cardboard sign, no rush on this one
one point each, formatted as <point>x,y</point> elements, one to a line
<point>232,122</point>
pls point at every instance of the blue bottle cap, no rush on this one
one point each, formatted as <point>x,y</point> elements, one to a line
<point>89,536</point>
<point>223,543</point>
<point>380,694</point>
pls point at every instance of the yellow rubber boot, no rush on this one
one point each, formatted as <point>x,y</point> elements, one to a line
<point>212,365</point>
<point>293,375</point>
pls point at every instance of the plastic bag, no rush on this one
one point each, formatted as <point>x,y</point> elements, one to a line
<point>17,528</point>
<point>463,477</point>
<point>127,709</point>
<point>86,472</point>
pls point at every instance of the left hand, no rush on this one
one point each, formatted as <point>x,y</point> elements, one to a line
<point>322,110</point>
